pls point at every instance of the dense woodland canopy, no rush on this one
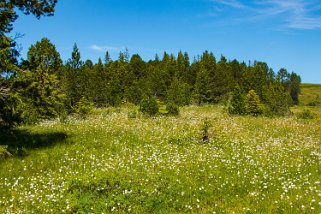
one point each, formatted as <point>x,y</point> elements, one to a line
<point>42,86</point>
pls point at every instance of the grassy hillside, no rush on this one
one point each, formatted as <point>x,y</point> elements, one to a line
<point>121,161</point>
<point>310,93</point>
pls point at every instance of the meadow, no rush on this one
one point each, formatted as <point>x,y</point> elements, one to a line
<point>117,160</point>
<point>310,94</point>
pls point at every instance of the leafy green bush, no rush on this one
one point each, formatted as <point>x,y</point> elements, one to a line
<point>83,107</point>
<point>237,103</point>
<point>306,114</point>
<point>172,109</point>
<point>4,153</point>
<point>278,102</point>
<point>149,106</point>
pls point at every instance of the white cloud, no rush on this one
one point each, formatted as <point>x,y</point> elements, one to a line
<point>292,14</point>
<point>230,3</point>
<point>106,48</point>
<point>101,48</point>
<point>307,23</point>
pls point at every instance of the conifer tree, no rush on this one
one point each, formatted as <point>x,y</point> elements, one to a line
<point>40,93</point>
<point>71,80</point>
<point>205,77</point>
<point>9,52</point>
<point>238,102</point>
<point>254,106</point>
<point>222,81</point>
<point>278,101</point>
<point>178,93</point>
<point>135,86</point>
<point>295,82</point>
<point>107,58</point>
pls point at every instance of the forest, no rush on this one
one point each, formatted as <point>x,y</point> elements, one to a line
<point>43,87</point>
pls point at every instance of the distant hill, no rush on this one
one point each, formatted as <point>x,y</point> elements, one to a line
<point>310,94</point>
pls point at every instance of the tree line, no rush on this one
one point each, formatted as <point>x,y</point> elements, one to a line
<point>43,86</point>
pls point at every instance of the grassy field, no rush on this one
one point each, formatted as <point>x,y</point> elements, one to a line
<point>310,93</point>
<point>120,161</point>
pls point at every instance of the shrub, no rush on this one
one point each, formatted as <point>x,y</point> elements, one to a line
<point>4,153</point>
<point>149,106</point>
<point>172,109</point>
<point>306,114</point>
<point>206,126</point>
<point>237,102</point>
<point>83,107</point>
<point>278,102</point>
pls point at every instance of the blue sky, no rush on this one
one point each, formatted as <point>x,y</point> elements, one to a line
<point>283,33</point>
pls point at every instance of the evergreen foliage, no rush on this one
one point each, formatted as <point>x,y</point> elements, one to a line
<point>237,102</point>
<point>278,101</point>
<point>178,93</point>
<point>149,106</point>
<point>172,109</point>
<point>48,87</point>
<point>254,106</point>
<point>205,130</point>
<point>9,53</point>
<point>170,80</point>
<point>83,107</point>
<point>38,89</point>
<point>69,77</point>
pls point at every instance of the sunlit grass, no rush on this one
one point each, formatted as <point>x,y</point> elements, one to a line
<point>310,93</point>
<point>115,162</point>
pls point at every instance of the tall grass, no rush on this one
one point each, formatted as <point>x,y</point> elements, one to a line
<point>310,93</point>
<point>112,162</point>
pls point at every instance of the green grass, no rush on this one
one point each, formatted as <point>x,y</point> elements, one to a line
<point>116,162</point>
<point>310,93</point>
<point>310,100</point>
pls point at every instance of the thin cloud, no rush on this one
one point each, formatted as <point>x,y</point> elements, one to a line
<point>291,14</point>
<point>307,23</point>
<point>105,48</point>
<point>100,48</point>
<point>230,3</point>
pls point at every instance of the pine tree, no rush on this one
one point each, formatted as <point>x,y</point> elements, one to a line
<point>294,88</point>
<point>205,77</point>
<point>44,53</point>
<point>178,93</point>
<point>70,79</point>
<point>254,106</point>
<point>9,52</point>
<point>135,86</point>
<point>278,100</point>
<point>39,90</point>
<point>238,102</point>
<point>107,58</point>
<point>222,81</point>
